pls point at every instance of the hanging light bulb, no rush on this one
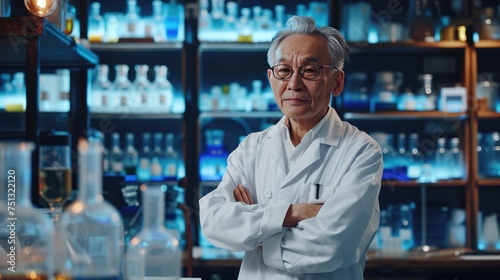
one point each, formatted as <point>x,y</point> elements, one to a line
<point>41,8</point>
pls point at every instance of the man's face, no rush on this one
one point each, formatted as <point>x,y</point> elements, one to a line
<point>297,97</point>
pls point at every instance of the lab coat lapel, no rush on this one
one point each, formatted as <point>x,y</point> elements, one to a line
<point>329,134</point>
<point>274,149</point>
<point>308,158</point>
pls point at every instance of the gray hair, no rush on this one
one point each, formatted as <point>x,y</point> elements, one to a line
<point>337,45</point>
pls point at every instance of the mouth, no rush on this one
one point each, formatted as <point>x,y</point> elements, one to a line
<point>295,100</point>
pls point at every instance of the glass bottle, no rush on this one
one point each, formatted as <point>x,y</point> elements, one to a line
<point>153,252</point>
<point>386,142</point>
<point>494,170</point>
<point>422,20</point>
<point>132,20</point>
<point>96,23</point>
<point>158,21</point>
<point>204,21</point>
<point>142,89</point>
<point>356,92</point>
<point>456,166</point>
<point>130,157</point>
<point>279,11</point>
<point>102,99</point>
<point>427,99</point>
<point>256,18</point>
<point>487,92</point>
<point>93,227</point>
<point>259,103</point>
<point>440,166</point>
<point>415,157</point>
<point>245,26</point>
<point>406,227</point>
<point>144,168</point>
<point>213,160</point>
<point>172,20</point>
<point>116,154</point>
<point>407,100</point>
<point>156,168</point>
<point>402,161</point>
<point>231,24</point>
<point>385,91</point>
<point>217,19</point>
<point>16,102</point>
<point>26,235</point>
<point>5,88</point>
<point>170,159</point>
<point>483,153</point>
<point>122,88</point>
<point>163,91</point>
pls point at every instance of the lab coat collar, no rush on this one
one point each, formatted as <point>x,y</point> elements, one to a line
<point>329,134</point>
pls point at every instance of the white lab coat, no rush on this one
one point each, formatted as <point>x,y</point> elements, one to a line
<point>345,162</point>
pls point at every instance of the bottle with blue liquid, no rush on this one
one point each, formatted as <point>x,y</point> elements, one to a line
<point>213,160</point>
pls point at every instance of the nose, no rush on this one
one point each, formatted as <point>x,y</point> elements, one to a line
<point>296,82</point>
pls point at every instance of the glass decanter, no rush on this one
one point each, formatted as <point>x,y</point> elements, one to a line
<point>154,251</point>
<point>92,227</point>
<point>26,235</point>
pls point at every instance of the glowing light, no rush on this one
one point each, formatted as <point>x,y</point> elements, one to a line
<point>41,8</point>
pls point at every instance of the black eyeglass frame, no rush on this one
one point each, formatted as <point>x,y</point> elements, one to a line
<point>301,72</point>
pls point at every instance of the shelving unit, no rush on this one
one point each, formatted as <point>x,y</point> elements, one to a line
<point>29,44</point>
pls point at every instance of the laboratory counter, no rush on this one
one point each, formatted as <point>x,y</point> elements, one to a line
<point>451,264</point>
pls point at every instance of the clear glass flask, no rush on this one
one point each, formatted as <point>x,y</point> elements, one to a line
<point>93,228</point>
<point>26,235</point>
<point>154,251</point>
<point>101,97</point>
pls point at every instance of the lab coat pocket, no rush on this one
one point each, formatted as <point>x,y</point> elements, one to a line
<point>319,193</point>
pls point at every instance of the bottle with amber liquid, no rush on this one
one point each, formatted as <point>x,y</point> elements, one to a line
<point>26,235</point>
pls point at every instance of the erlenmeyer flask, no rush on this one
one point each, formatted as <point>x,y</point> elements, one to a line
<point>26,235</point>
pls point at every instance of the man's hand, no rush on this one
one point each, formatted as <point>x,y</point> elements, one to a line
<point>241,194</point>
<point>299,212</point>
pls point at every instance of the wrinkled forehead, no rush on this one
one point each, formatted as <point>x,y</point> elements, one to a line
<point>303,49</point>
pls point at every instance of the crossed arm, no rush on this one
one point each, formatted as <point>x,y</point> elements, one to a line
<point>295,214</point>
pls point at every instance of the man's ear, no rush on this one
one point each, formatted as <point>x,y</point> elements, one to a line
<point>269,73</point>
<point>339,82</point>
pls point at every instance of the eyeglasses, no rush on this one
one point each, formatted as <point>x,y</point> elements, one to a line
<point>306,71</point>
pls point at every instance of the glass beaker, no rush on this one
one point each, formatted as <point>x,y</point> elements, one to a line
<point>54,184</point>
<point>26,235</point>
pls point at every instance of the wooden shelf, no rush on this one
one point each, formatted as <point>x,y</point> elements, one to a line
<point>414,184</point>
<point>407,47</point>
<point>252,115</point>
<point>234,47</point>
<point>128,115</point>
<point>487,44</point>
<point>490,182</point>
<point>399,115</point>
<point>488,115</point>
